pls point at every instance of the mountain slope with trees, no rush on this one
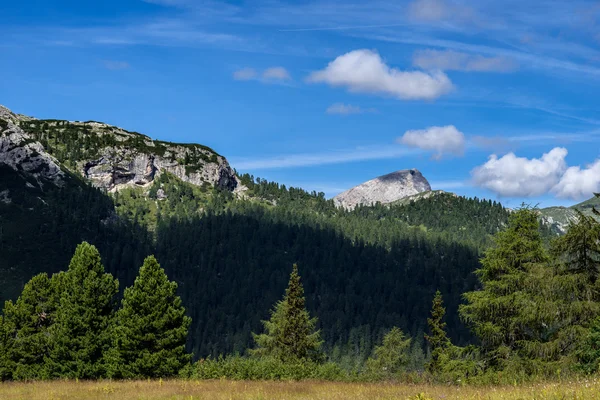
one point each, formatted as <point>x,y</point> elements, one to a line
<point>365,271</point>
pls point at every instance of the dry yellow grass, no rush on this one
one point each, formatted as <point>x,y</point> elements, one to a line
<point>231,390</point>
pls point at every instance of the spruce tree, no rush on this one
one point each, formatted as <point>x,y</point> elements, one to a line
<point>575,284</point>
<point>28,321</point>
<point>391,357</point>
<point>81,331</point>
<point>290,333</point>
<point>151,327</point>
<point>506,313</point>
<point>439,343</point>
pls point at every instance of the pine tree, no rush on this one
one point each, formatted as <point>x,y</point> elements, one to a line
<point>506,313</point>
<point>290,333</point>
<point>439,343</point>
<point>28,321</point>
<point>391,357</point>
<point>151,328</point>
<point>81,332</point>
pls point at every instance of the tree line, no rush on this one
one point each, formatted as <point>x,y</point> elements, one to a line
<point>535,313</point>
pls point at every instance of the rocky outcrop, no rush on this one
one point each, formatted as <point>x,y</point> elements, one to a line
<point>384,189</point>
<point>109,157</point>
<point>123,167</point>
<point>22,153</point>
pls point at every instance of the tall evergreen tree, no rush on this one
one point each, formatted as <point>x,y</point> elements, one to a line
<point>151,327</point>
<point>505,313</point>
<point>81,334</point>
<point>439,343</point>
<point>391,357</point>
<point>290,333</point>
<point>27,322</point>
<point>575,284</point>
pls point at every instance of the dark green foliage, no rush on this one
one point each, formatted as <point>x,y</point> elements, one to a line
<point>290,334</point>
<point>27,323</point>
<point>6,344</point>
<point>80,335</point>
<point>588,355</point>
<point>502,313</point>
<point>41,227</point>
<point>150,328</point>
<point>391,357</point>
<point>438,340</point>
<point>578,253</point>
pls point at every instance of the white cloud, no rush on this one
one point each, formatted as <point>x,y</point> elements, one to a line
<point>364,71</point>
<point>276,73</point>
<point>245,74</point>
<point>347,109</point>
<point>519,176</point>
<point>578,183</point>
<point>440,139</point>
<point>458,61</point>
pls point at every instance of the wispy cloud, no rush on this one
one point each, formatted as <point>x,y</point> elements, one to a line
<point>269,75</point>
<point>245,74</point>
<point>531,60</point>
<point>323,158</point>
<point>347,109</point>
<point>447,60</point>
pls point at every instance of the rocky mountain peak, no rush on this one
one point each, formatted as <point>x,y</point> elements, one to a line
<point>384,189</point>
<point>110,157</point>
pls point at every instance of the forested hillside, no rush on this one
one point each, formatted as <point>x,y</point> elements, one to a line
<point>365,270</point>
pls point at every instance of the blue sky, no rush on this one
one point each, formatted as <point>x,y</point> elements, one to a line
<point>486,98</point>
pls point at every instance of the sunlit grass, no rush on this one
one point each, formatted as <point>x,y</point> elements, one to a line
<point>230,390</point>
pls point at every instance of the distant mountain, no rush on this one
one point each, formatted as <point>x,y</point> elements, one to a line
<point>558,218</point>
<point>384,189</point>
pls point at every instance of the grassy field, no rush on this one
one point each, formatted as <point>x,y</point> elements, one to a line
<point>226,390</point>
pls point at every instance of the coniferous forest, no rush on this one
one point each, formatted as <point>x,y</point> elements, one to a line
<point>446,286</point>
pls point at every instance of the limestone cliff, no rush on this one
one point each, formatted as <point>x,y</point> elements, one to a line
<point>384,189</point>
<point>109,157</point>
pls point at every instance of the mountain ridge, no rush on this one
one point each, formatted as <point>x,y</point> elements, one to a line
<point>110,157</point>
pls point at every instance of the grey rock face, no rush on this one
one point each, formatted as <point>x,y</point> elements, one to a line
<point>119,165</point>
<point>124,167</point>
<point>384,189</point>
<point>21,153</point>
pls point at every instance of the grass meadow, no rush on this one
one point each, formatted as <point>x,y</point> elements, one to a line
<point>230,390</point>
